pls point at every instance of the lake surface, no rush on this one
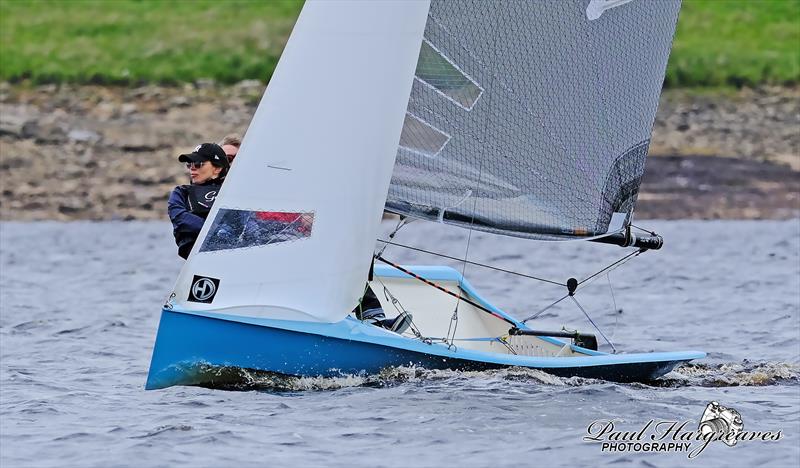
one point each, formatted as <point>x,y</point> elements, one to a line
<point>80,303</point>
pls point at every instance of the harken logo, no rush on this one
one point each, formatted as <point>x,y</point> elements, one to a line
<point>203,289</point>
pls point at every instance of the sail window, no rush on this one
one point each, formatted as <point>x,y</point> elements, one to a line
<point>436,71</point>
<point>237,229</point>
<point>421,137</point>
<point>596,7</point>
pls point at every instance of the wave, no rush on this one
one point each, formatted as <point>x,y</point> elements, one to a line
<point>238,379</point>
<point>732,374</point>
<point>729,374</point>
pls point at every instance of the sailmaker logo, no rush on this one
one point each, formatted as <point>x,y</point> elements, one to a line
<point>203,289</point>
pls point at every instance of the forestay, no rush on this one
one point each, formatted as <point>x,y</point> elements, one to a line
<point>532,118</point>
<point>292,231</point>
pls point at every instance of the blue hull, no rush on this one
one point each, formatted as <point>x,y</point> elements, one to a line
<point>187,340</point>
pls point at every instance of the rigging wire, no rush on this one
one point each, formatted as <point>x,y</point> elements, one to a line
<point>401,311</point>
<point>473,193</point>
<point>546,308</point>
<point>400,223</point>
<point>454,317</point>
<point>649,231</point>
<point>613,265</point>
<point>587,280</point>
<point>474,263</point>
<point>428,339</point>
<point>453,325</point>
<point>616,309</point>
<point>594,324</point>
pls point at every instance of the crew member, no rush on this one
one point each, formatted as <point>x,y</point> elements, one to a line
<point>231,144</point>
<point>188,205</point>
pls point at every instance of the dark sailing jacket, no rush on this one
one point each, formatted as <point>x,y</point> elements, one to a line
<point>188,207</point>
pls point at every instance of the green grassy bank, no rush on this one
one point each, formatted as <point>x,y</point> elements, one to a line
<point>134,41</point>
<point>719,43</point>
<point>736,43</point>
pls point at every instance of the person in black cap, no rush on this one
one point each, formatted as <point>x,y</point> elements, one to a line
<point>188,205</point>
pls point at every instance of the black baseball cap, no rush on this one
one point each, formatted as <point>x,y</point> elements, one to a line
<point>211,152</point>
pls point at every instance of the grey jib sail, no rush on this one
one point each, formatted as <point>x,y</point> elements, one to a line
<point>527,118</point>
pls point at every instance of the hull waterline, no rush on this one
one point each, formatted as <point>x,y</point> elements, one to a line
<point>187,340</point>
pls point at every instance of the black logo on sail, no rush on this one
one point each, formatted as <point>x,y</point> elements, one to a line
<point>203,289</point>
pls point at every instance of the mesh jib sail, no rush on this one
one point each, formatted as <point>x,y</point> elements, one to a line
<point>528,118</point>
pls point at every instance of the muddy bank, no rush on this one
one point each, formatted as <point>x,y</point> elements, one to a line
<point>103,153</point>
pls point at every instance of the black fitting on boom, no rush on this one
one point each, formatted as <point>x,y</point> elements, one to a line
<point>629,239</point>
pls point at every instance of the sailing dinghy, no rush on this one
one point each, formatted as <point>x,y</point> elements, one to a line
<point>527,119</point>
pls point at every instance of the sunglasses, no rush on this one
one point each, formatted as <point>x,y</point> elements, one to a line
<point>195,165</point>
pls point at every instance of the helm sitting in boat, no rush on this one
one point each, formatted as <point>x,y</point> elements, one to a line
<point>207,161</point>
<point>189,205</point>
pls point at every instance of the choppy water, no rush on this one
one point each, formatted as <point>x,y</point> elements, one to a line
<point>79,306</point>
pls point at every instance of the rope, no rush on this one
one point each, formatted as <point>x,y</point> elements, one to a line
<point>474,263</point>
<point>446,291</point>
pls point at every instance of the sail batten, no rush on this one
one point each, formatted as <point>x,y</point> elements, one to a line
<point>548,114</point>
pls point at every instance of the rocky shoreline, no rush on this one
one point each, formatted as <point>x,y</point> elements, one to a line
<point>104,153</point>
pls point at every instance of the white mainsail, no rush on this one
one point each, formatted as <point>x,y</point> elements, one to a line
<point>292,231</point>
<point>530,118</point>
